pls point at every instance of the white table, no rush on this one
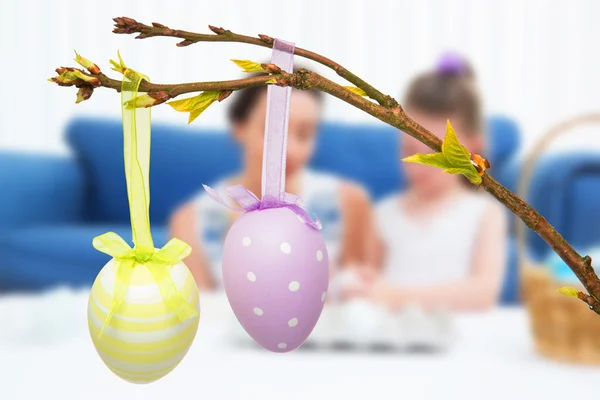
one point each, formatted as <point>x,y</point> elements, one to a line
<point>492,360</point>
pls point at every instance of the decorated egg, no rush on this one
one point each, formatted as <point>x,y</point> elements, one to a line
<point>144,340</point>
<point>276,274</point>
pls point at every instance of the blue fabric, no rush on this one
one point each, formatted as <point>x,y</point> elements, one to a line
<point>182,160</point>
<point>38,189</point>
<point>368,155</point>
<point>352,152</point>
<point>565,189</point>
<point>510,289</point>
<point>41,257</point>
<point>51,208</point>
<point>503,141</point>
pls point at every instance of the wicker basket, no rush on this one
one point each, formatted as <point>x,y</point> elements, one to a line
<point>563,328</point>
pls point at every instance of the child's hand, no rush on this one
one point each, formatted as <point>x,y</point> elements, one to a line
<point>366,275</point>
<point>379,291</point>
<point>348,292</point>
<point>356,282</point>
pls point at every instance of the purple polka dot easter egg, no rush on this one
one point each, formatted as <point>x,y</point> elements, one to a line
<point>276,274</point>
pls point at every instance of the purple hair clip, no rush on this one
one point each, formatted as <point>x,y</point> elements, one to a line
<point>451,64</point>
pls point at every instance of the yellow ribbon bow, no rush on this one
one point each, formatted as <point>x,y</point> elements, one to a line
<point>136,133</point>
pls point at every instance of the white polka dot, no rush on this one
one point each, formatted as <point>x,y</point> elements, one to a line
<point>319,255</point>
<point>258,311</point>
<point>323,296</point>
<point>282,345</point>
<point>294,286</point>
<point>293,322</point>
<point>285,247</point>
<point>246,241</point>
<point>251,277</point>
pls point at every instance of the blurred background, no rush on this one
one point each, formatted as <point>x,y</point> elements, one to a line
<point>61,182</point>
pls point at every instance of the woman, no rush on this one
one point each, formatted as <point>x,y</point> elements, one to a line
<point>343,207</point>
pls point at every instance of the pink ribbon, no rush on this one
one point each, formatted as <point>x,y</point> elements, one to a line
<point>275,148</point>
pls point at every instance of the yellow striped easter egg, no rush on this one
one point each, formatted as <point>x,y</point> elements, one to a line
<point>144,340</point>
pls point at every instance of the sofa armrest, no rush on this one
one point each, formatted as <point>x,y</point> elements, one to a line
<point>39,189</point>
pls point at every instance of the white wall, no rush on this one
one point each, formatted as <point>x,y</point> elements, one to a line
<point>537,61</point>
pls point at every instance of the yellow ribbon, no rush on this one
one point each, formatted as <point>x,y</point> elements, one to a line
<point>136,133</point>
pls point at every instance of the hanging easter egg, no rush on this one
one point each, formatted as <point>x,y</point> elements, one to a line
<point>143,307</point>
<point>275,264</point>
<point>276,274</point>
<point>144,339</point>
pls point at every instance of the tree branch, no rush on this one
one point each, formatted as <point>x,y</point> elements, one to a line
<point>126,25</point>
<point>174,90</point>
<point>388,111</point>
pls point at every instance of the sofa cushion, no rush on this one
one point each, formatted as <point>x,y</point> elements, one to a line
<point>565,190</point>
<point>369,154</point>
<point>364,154</point>
<point>503,141</point>
<point>510,287</point>
<point>182,159</point>
<point>39,189</point>
<point>42,257</point>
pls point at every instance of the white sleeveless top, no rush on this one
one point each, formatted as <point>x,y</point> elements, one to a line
<point>439,251</point>
<point>320,195</point>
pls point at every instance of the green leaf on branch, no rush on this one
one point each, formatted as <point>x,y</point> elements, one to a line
<point>356,90</point>
<point>435,160</point>
<point>471,175</point>
<point>454,158</point>
<point>66,77</point>
<point>71,76</point>
<point>569,291</point>
<point>149,99</point>
<point>249,66</point>
<point>195,105</point>
<point>142,101</point>
<point>456,153</point>
<point>190,104</point>
<point>92,80</point>
<point>84,93</point>
<point>118,66</point>
<point>87,64</point>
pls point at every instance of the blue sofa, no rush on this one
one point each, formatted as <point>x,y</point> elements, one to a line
<point>565,188</point>
<point>51,207</point>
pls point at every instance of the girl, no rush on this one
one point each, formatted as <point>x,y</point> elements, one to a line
<point>440,243</point>
<point>344,208</point>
